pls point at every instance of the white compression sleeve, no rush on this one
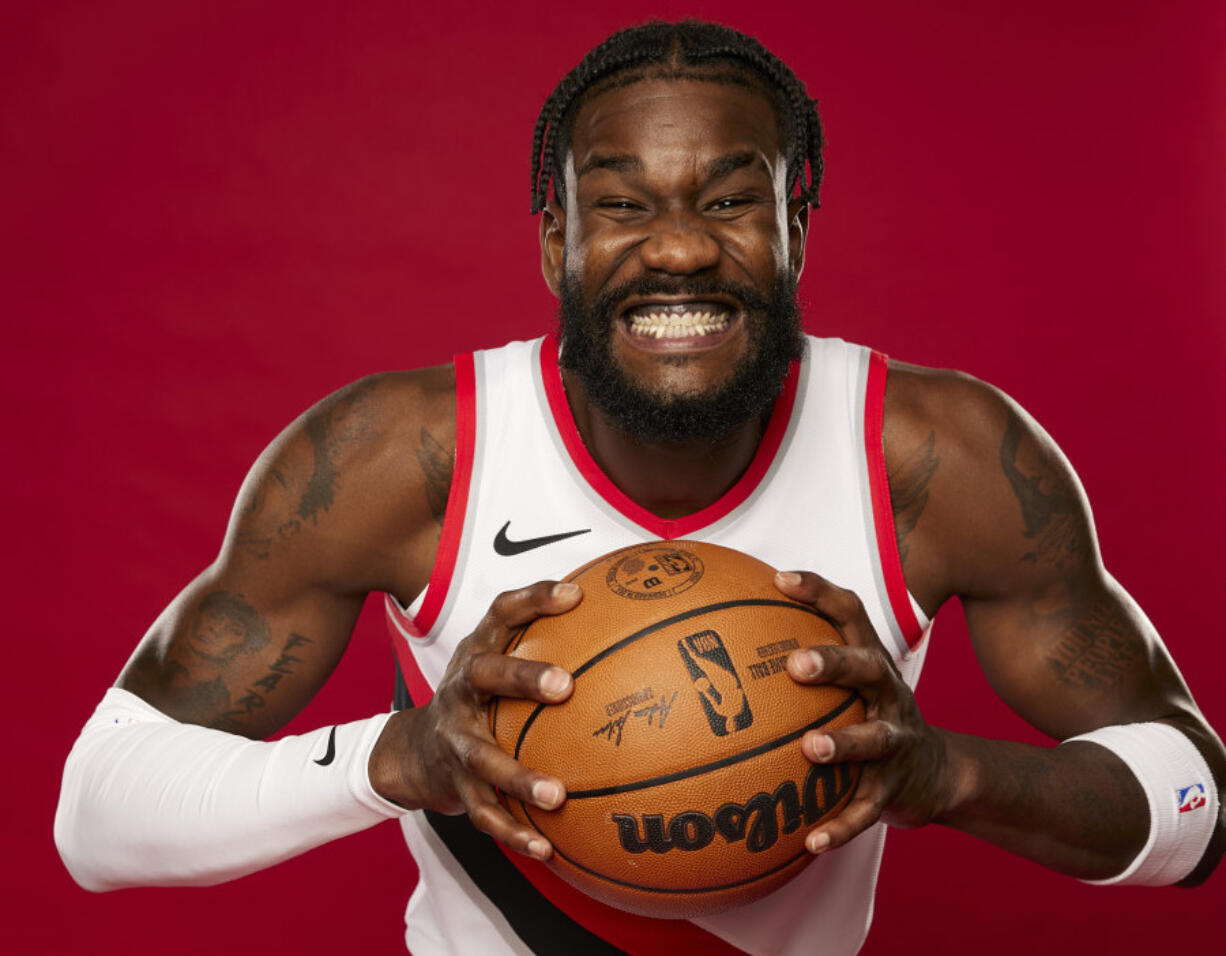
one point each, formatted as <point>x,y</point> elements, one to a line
<point>1183,801</point>
<point>146,800</point>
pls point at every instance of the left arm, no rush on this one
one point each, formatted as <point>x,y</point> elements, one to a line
<point>1001,522</point>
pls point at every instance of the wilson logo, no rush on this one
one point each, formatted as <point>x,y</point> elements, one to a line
<point>758,821</point>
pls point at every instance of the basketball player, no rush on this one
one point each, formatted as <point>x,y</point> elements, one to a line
<point>679,399</point>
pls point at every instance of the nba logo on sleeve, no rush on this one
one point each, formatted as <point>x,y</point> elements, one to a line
<point>1191,798</point>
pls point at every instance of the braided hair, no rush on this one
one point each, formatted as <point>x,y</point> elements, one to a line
<point>689,49</point>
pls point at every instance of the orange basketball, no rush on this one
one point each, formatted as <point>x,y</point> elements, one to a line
<point>680,746</point>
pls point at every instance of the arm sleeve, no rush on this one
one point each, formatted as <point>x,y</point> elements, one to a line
<point>149,801</point>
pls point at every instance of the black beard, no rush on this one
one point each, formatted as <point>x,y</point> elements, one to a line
<point>776,339</point>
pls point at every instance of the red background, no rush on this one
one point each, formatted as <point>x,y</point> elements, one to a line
<point>215,213</point>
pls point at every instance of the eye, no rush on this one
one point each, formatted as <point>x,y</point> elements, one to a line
<point>730,204</point>
<point>618,204</point>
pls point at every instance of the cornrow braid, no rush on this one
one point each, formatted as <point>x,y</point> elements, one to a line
<point>685,50</point>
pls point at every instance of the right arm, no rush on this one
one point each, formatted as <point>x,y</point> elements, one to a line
<point>162,787</point>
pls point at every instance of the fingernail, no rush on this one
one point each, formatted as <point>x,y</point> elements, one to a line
<point>545,794</point>
<point>790,578</point>
<point>808,663</point>
<point>817,842</point>
<point>565,590</point>
<point>553,681</point>
<point>822,747</point>
<point>539,849</point>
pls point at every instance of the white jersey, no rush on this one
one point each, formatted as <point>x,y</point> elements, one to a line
<point>815,497</point>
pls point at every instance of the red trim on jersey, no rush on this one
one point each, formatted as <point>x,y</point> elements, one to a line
<point>400,624</point>
<point>883,510</point>
<point>419,688</point>
<point>636,935</point>
<point>663,527</point>
<point>457,495</point>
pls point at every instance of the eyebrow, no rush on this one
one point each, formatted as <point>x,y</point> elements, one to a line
<point>628,163</point>
<point>619,163</point>
<point>725,165</point>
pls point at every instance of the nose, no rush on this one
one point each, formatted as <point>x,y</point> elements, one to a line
<point>679,245</point>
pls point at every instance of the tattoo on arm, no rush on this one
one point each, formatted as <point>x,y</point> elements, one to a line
<point>344,419</point>
<point>255,696</point>
<point>437,465</point>
<point>225,626</point>
<point>908,485</point>
<point>1096,651</point>
<point>1051,519</point>
<point>285,499</point>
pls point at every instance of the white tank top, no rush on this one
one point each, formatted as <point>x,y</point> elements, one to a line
<point>814,497</point>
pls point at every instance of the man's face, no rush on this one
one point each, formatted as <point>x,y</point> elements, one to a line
<point>676,257</point>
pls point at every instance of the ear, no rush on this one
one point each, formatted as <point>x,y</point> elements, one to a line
<point>553,242</point>
<point>798,229</point>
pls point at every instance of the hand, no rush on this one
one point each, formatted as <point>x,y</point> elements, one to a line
<point>904,767</point>
<point>443,756</point>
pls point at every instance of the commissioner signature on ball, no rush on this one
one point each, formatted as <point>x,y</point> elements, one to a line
<point>658,709</point>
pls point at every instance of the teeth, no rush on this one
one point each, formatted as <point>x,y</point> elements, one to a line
<point>674,325</point>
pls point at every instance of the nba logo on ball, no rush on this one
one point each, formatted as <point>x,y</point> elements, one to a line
<point>718,684</point>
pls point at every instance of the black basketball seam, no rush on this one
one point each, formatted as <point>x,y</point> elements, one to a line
<point>678,889</point>
<point>715,764</point>
<point>651,629</point>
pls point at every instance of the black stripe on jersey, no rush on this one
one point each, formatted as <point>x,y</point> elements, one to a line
<point>542,926</point>
<point>400,692</point>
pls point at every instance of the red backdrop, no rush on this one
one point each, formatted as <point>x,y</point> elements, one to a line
<point>215,213</point>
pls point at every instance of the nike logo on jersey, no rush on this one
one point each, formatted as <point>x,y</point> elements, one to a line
<point>508,548</point>
<point>327,758</point>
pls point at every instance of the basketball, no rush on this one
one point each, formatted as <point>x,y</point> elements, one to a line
<point>688,793</point>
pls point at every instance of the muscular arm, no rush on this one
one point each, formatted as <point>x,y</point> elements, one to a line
<point>990,511</point>
<point>348,500</point>
<point>342,503</point>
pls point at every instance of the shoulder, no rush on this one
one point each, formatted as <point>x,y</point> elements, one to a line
<point>359,474</point>
<point>979,489</point>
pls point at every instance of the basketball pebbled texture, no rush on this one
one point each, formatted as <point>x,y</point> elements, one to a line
<point>688,793</point>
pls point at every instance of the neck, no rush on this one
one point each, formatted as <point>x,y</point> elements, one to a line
<point>669,479</point>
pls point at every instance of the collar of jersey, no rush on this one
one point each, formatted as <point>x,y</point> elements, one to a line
<point>666,528</point>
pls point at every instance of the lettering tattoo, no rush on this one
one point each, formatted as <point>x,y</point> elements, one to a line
<point>1051,519</point>
<point>224,627</point>
<point>909,489</point>
<point>255,696</point>
<point>1096,651</point>
<point>437,464</point>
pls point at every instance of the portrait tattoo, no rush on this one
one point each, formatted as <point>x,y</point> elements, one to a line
<point>909,489</point>
<point>1052,520</point>
<point>226,626</point>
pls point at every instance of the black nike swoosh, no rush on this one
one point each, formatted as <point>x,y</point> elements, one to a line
<point>327,758</point>
<point>507,548</point>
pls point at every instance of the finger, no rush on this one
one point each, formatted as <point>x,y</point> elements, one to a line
<point>838,604</point>
<point>871,740</point>
<point>493,765</point>
<point>516,608</point>
<point>861,812</point>
<point>855,667</point>
<point>489,816</point>
<point>499,675</point>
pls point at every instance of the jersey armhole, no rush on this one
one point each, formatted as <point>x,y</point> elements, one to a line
<point>900,599</point>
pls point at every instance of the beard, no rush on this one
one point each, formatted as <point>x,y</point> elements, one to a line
<point>776,339</point>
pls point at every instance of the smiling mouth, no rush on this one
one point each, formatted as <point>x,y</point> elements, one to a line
<point>678,320</point>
